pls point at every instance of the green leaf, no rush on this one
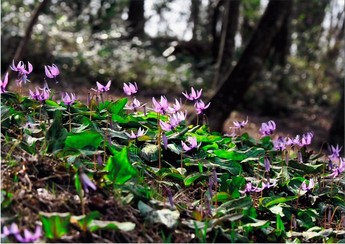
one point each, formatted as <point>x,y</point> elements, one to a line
<point>119,168</point>
<point>77,184</point>
<point>55,225</point>
<point>84,139</point>
<point>84,221</point>
<point>280,229</point>
<point>56,134</point>
<point>270,201</point>
<point>239,155</point>
<point>117,107</point>
<point>221,197</point>
<point>241,203</point>
<point>110,225</point>
<point>304,168</point>
<point>190,179</point>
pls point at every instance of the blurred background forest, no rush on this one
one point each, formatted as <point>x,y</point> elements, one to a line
<point>274,59</point>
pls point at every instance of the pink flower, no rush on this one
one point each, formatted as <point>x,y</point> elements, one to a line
<point>176,107</point>
<point>200,106</point>
<point>130,89</point>
<point>267,128</point>
<point>68,100</point>
<point>310,186</point>
<point>51,71</point>
<point>240,125</point>
<point>162,106</point>
<point>3,84</point>
<point>194,95</point>
<point>23,72</point>
<point>86,182</point>
<point>139,133</point>
<point>101,88</point>
<point>134,105</point>
<point>191,143</point>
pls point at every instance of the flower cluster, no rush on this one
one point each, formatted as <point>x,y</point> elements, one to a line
<point>194,96</point>
<point>264,185</point>
<point>281,143</point>
<point>267,128</point>
<point>26,237</point>
<point>337,163</point>
<point>23,72</point>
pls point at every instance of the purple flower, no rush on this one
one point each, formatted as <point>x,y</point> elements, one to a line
<point>130,89</point>
<point>178,117</point>
<point>306,139</point>
<point>335,152</point>
<point>166,126</point>
<point>280,143</point>
<point>51,71</point>
<point>34,95</point>
<point>267,164</point>
<point>310,186</point>
<point>248,188</point>
<point>29,236</point>
<point>267,128</point>
<point>134,105</point>
<point>86,182</point>
<point>200,106</point>
<point>39,96</point>
<point>12,230</point>
<point>101,88</point>
<point>240,125</point>
<point>176,107</point>
<point>3,84</point>
<point>23,72</point>
<point>192,143</point>
<point>68,100</point>
<point>162,106</point>
<point>337,170</point>
<point>139,133</point>
<point>194,95</point>
<point>265,185</point>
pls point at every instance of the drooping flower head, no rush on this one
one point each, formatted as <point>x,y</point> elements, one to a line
<point>40,96</point>
<point>134,105</point>
<point>130,89</point>
<point>335,152</point>
<point>280,143</point>
<point>23,72</point>
<point>3,84</point>
<point>68,99</point>
<point>191,143</point>
<point>139,133</point>
<point>194,95</point>
<point>101,88</point>
<point>240,124</point>
<point>162,106</point>
<point>308,187</point>
<point>267,164</point>
<point>200,106</point>
<point>51,71</point>
<point>267,128</point>
<point>86,182</point>
<point>175,107</point>
<point>306,139</point>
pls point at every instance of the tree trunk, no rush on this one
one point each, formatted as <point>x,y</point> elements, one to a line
<point>136,18</point>
<point>336,133</point>
<point>227,42</point>
<point>21,47</point>
<point>194,17</point>
<point>234,86</point>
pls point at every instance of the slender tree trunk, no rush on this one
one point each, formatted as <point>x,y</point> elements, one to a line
<point>194,17</point>
<point>136,18</point>
<point>337,133</point>
<point>227,41</point>
<point>234,86</point>
<point>24,41</point>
